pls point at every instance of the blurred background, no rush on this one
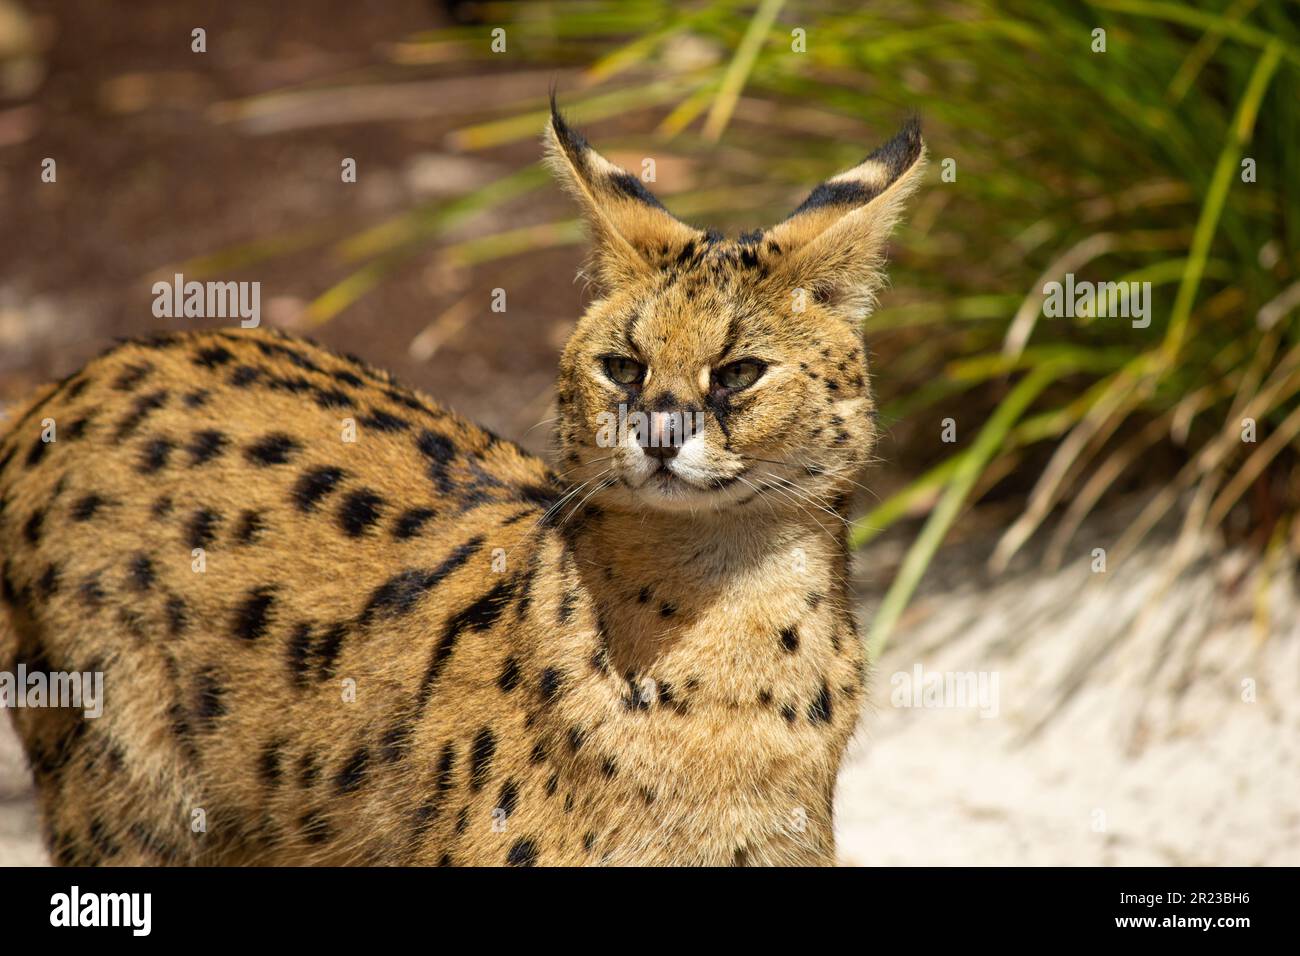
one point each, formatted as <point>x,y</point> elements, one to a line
<point>1104,517</point>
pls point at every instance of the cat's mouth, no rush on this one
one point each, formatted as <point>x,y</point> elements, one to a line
<point>668,482</point>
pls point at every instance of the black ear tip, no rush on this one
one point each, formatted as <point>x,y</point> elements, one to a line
<point>912,128</point>
<point>570,139</point>
<point>903,149</point>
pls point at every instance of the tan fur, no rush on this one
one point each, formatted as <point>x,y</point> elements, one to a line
<point>604,665</point>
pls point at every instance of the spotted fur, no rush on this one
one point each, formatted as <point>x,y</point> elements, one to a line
<point>640,658</point>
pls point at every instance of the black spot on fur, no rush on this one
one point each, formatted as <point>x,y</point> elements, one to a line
<point>576,739</point>
<point>790,639</point>
<point>48,583</point>
<point>551,683</point>
<point>293,384</point>
<point>567,604</point>
<point>143,407</point>
<point>268,764</point>
<point>141,574</point>
<point>522,853</point>
<point>132,376</point>
<point>333,398</point>
<point>353,773</point>
<point>479,616</point>
<point>315,828</point>
<point>7,589</point>
<point>480,758</point>
<point>410,522</point>
<point>206,445</point>
<point>253,615</point>
<point>295,357</point>
<point>441,452</point>
<point>77,387</point>
<point>665,693</point>
<point>154,455</point>
<point>314,484</point>
<point>359,511</point>
<point>819,711</point>
<point>178,617</point>
<point>509,678</point>
<point>308,770</point>
<point>399,594</point>
<point>249,527</point>
<point>212,356</point>
<point>543,495</point>
<point>383,421</point>
<point>300,653</point>
<point>244,376</point>
<point>446,766</point>
<point>202,529</point>
<point>36,453</point>
<point>32,527</point>
<point>509,798</point>
<point>273,449</point>
<point>209,700</point>
<point>327,652</point>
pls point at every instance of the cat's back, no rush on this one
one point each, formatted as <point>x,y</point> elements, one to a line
<point>216,453</point>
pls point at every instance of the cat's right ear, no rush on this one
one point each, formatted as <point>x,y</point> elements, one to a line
<point>833,244</point>
<point>629,227</point>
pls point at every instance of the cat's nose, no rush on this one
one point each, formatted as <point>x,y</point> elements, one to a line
<point>663,436</point>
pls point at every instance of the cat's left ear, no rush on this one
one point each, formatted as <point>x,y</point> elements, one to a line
<point>631,232</point>
<point>833,244</point>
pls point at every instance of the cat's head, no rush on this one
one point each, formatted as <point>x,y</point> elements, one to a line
<point>714,373</point>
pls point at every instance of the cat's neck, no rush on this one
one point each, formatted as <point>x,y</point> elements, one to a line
<point>712,545</point>
<point>656,578</point>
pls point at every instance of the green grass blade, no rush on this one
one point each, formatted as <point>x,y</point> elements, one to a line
<point>1225,171</point>
<point>733,81</point>
<point>990,439</point>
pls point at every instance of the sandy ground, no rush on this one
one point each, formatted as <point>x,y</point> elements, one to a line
<point>1111,739</point>
<point>1125,730</point>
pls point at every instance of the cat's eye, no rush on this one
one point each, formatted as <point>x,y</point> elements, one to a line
<point>622,370</point>
<point>737,375</point>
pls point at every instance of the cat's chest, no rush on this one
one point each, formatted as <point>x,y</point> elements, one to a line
<point>748,674</point>
<point>737,624</point>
